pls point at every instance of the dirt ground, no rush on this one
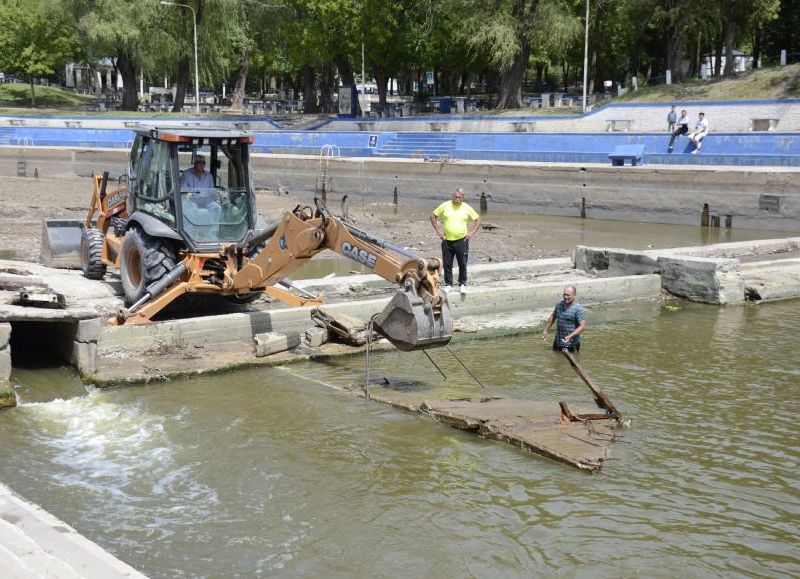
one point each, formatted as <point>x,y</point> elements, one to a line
<point>25,202</point>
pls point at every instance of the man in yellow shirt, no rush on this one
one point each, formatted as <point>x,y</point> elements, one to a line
<point>455,237</point>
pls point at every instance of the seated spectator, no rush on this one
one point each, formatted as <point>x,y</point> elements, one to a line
<point>683,128</point>
<point>699,133</point>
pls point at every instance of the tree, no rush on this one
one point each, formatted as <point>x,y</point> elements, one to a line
<point>34,38</point>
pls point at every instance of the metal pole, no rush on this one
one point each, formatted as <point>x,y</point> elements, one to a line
<point>363,81</point>
<point>196,68</point>
<point>585,54</point>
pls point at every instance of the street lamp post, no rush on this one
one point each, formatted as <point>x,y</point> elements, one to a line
<point>585,54</point>
<point>196,71</point>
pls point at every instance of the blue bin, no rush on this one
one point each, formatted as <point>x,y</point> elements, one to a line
<point>445,105</point>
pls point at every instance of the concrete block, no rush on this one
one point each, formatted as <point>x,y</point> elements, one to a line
<point>84,357</point>
<point>612,262</point>
<point>273,342</point>
<point>707,280</point>
<point>5,365</point>
<point>89,330</point>
<point>316,336</point>
<point>5,334</point>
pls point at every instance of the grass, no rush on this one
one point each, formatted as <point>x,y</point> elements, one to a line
<point>764,83</point>
<point>19,95</point>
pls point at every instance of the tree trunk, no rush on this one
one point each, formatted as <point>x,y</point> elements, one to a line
<point>718,61</point>
<point>756,46</point>
<point>310,104</point>
<point>730,33</point>
<point>346,74</point>
<point>510,96</point>
<point>674,42</point>
<point>381,79</point>
<point>126,68</point>
<point>181,82</point>
<point>237,98</point>
<point>33,93</point>
<point>326,81</point>
<point>510,91</point>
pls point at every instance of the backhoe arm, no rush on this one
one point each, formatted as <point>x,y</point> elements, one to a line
<point>417,316</point>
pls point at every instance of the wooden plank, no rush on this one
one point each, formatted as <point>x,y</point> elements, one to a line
<point>601,399</point>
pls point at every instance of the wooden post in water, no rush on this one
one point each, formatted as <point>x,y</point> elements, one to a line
<point>583,207</point>
<point>324,194</point>
<point>484,204</point>
<point>704,216</point>
<point>729,221</point>
<point>715,221</point>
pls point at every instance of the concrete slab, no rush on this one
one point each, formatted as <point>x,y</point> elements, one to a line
<point>35,544</point>
<point>772,280</point>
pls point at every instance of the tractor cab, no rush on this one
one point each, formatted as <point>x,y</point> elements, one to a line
<point>194,181</point>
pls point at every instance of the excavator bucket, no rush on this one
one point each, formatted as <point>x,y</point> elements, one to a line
<point>61,243</point>
<point>411,324</point>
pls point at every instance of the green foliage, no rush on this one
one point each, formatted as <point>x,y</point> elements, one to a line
<point>33,37</point>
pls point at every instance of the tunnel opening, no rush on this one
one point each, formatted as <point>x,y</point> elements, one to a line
<point>41,361</point>
<point>41,344</point>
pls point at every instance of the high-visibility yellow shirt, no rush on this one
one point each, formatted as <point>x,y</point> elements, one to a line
<point>455,219</point>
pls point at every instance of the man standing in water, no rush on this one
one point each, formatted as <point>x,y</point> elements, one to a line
<point>571,321</point>
<point>455,237</point>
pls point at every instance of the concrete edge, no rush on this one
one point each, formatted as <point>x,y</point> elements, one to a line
<point>41,545</point>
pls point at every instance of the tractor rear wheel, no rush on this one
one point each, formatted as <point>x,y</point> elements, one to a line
<point>143,260</point>
<point>92,264</point>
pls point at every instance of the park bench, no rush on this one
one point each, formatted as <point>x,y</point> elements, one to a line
<point>438,126</point>
<point>632,153</point>
<point>619,125</point>
<point>366,125</point>
<point>523,126</point>
<point>767,124</point>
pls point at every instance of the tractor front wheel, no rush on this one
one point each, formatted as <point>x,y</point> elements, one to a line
<point>92,264</point>
<point>143,260</point>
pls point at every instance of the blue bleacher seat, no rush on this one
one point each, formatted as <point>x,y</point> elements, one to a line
<point>632,153</point>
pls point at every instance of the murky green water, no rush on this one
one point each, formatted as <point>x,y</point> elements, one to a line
<point>270,472</point>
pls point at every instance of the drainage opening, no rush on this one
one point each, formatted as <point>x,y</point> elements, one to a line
<point>41,344</point>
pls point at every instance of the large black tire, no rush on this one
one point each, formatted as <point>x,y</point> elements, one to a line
<point>143,260</point>
<point>92,240</point>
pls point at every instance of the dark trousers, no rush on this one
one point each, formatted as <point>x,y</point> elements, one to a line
<point>460,250</point>
<point>681,130</point>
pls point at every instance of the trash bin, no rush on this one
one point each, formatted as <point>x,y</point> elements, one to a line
<point>445,105</point>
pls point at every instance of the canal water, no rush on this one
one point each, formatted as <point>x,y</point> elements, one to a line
<point>271,472</point>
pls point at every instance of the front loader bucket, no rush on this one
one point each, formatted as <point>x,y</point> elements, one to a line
<point>411,324</point>
<point>61,243</point>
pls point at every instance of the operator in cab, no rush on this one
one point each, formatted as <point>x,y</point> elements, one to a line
<point>200,183</point>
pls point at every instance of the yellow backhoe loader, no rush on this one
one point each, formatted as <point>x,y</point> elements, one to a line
<point>197,231</point>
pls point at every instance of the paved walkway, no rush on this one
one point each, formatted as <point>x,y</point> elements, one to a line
<point>35,544</point>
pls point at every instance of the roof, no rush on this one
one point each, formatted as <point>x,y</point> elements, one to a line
<point>192,132</point>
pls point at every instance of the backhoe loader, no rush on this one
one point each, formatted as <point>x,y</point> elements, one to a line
<point>169,239</point>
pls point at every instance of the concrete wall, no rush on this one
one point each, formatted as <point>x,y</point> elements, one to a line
<point>653,194</point>
<point>761,198</point>
<point>711,274</point>
<point>6,391</point>
<point>723,116</point>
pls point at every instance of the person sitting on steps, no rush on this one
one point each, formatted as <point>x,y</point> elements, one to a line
<point>700,131</point>
<point>683,128</point>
